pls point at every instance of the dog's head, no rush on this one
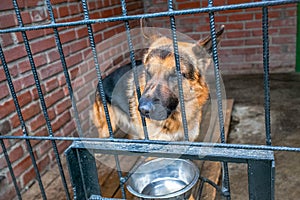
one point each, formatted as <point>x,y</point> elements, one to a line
<point>160,97</point>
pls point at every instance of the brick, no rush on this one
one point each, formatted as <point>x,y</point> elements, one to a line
<point>52,56</point>
<point>253,41</point>
<point>288,31</point>
<point>35,34</point>
<point>24,164</point>
<point>44,148</point>
<point>31,111</point>
<point>6,40</point>
<point>7,20</point>
<point>92,5</point>
<point>78,46</point>
<point>24,82</point>
<point>24,98</point>
<point>63,11</point>
<point>82,32</point>
<point>62,120</point>
<point>24,66</point>
<point>43,163</point>
<point>4,90</point>
<point>34,92</point>
<point>26,17</point>
<point>99,27</point>
<point>16,153</point>
<point>7,145</point>
<point>14,53</point>
<point>237,34</point>
<point>28,176</point>
<point>106,13</point>
<point>40,132</point>
<point>189,5</point>
<point>51,84</point>
<point>241,17</point>
<point>74,9</point>
<point>54,2</point>
<point>237,42</point>
<point>74,59</point>
<point>81,106</point>
<point>63,145</point>
<point>62,106</point>
<point>67,36</point>
<point>51,70</point>
<point>90,76</point>
<point>283,40</point>
<point>74,73</point>
<point>69,128</point>
<point>2,74</point>
<point>95,15</point>
<point>6,108</point>
<point>282,22</point>
<point>5,128</point>
<point>38,122</point>
<point>48,43</point>
<point>39,14</point>
<point>6,5</point>
<point>54,97</point>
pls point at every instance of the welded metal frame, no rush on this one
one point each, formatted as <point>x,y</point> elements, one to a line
<point>80,155</point>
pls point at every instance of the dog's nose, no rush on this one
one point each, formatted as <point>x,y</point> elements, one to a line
<point>146,106</point>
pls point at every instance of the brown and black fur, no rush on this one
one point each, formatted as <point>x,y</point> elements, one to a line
<point>159,101</point>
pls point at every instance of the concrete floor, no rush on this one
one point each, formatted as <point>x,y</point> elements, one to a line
<point>247,127</point>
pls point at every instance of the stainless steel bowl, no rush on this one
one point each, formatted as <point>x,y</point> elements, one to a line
<point>164,178</point>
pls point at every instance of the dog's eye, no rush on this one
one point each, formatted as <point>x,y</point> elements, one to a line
<point>173,77</point>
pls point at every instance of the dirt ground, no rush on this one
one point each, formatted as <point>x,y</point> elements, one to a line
<point>247,127</point>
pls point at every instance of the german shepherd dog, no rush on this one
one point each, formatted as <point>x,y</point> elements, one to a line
<point>159,101</point>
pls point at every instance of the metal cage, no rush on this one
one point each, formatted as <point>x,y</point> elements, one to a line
<point>81,154</point>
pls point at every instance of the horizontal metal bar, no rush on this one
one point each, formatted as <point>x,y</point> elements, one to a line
<point>201,144</point>
<point>152,15</point>
<point>178,151</point>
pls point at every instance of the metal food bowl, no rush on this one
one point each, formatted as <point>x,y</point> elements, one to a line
<point>164,178</point>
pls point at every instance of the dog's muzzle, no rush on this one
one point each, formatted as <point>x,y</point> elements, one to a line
<point>153,109</point>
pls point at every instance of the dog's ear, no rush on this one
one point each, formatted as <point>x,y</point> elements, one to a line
<point>206,43</point>
<point>148,32</point>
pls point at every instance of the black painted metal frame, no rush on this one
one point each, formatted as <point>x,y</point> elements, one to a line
<point>80,154</point>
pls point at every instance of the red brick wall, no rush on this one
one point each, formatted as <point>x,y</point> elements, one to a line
<point>241,47</point>
<point>80,65</point>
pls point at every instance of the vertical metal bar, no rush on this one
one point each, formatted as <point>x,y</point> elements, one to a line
<point>178,71</point>
<point>38,86</point>
<point>225,184</point>
<point>97,66</point>
<point>11,171</point>
<point>261,180</point>
<point>266,74</point>
<point>133,64</point>
<point>64,65</point>
<point>22,122</point>
<point>65,68</point>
